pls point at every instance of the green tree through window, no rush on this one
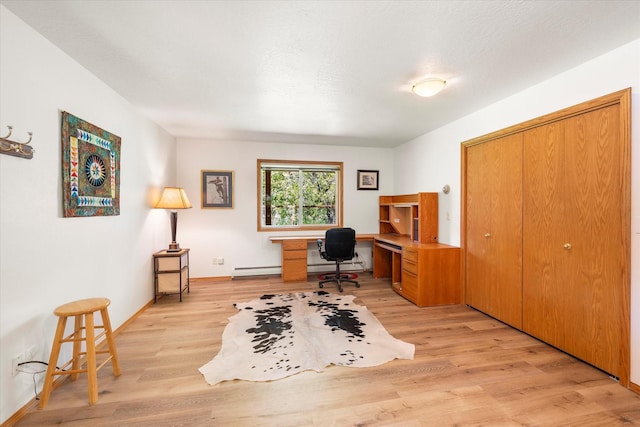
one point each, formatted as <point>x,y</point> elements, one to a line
<point>297,194</point>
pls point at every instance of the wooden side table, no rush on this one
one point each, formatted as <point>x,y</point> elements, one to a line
<point>170,273</point>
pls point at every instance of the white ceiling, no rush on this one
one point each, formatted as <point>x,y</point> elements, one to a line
<point>327,72</point>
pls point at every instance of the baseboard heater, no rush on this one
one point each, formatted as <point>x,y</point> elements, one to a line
<point>277,269</point>
<point>257,271</point>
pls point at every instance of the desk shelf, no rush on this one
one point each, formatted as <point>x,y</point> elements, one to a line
<point>414,215</point>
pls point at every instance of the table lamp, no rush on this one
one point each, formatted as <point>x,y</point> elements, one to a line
<point>173,198</point>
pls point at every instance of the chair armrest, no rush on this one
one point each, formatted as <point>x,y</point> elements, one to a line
<point>323,255</point>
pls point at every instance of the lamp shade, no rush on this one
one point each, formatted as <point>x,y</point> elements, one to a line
<point>173,198</point>
<point>428,87</point>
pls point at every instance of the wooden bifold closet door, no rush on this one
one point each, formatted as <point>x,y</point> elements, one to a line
<point>546,229</point>
<point>573,253</point>
<point>494,228</point>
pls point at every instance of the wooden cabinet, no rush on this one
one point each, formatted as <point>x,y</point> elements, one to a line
<point>568,258</point>
<point>493,215</point>
<point>170,272</point>
<point>430,274</point>
<point>294,260</point>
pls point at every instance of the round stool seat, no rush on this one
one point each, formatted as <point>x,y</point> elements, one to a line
<point>82,306</point>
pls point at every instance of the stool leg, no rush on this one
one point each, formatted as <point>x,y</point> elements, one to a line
<point>91,359</point>
<point>111,342</point>
<point>53,361</point>
<point>77,346</point>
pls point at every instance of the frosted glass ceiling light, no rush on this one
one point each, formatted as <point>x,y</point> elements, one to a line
<point>428,87</point>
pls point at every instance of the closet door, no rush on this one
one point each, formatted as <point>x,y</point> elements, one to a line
<point>545,229</point>
<point>493,233</point>
<point>573,255</point>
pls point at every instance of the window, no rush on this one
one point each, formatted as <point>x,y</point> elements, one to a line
<point>299,195</point>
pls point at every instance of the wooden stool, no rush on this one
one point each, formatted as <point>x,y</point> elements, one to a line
<point>79,309</point>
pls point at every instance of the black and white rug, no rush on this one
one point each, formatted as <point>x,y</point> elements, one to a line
<point>276,336</point>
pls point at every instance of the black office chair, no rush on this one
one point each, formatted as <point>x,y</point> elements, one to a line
<point>339,246</point>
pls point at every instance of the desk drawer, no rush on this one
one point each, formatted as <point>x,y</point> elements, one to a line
<point>410,255</point>
<point>409,266</point>
<point>286,255</point>
<point>410,286</point>
<point>297,244</point>
<point>294,270</point>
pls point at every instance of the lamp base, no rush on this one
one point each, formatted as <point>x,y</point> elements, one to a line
<point>174,247</point>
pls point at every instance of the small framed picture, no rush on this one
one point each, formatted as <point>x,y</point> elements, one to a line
<point>217,189</point>
<point>367,180</point>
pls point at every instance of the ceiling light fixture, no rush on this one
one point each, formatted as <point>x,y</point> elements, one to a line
<point>428,87</point>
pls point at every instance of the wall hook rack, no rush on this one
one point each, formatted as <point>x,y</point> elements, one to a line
<point>15,148</point>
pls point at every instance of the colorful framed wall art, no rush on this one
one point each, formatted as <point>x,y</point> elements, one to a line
<point>90,169</point>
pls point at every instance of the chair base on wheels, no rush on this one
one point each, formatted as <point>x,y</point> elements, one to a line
<point>338,278</point>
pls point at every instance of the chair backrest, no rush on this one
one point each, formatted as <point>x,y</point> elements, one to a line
<point>340,243</point>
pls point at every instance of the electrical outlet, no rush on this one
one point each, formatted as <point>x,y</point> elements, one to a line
<point>16,361</point>
<point>220,260</point>
<point>25,356</point>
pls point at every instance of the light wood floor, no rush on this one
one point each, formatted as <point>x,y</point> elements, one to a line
<point>468,370</point>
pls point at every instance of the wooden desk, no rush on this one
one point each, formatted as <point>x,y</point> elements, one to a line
<point>294,254</point>
<point>426,274</point>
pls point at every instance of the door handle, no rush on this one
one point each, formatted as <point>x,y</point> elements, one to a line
<point>567,246</point>
<point>487,235</point>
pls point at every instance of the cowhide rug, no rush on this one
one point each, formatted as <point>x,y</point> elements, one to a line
<point>276,336</point>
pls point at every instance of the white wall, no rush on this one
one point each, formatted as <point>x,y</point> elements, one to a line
<point>45,259</point>
<point>433,159</point>
<point>232,233</point>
